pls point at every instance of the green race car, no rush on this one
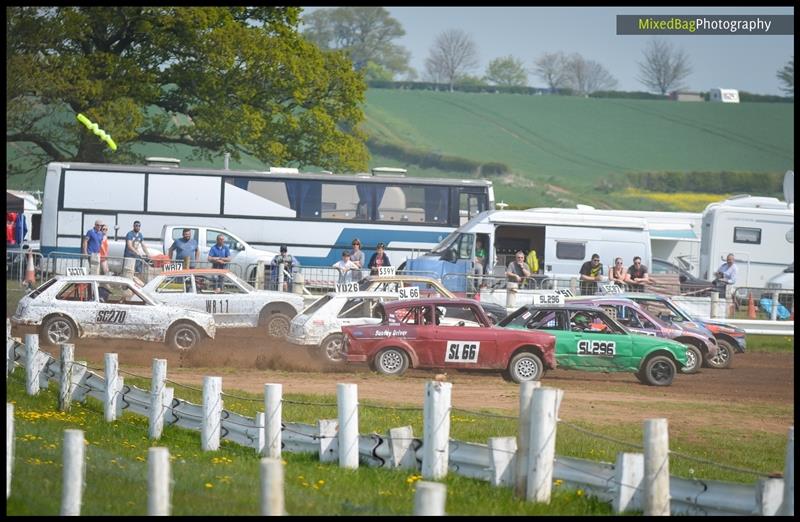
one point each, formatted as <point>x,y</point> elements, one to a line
<point>588,339</point>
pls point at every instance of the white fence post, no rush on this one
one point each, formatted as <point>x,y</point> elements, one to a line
<point>628,475</point>
<point>94,263</point>
<point>273,414</point>
<point>272,503</point>
<point>66,387</point>
<point>128,267</point>
<point>430,498</point>
<point>544,417</point>
<point>31,370</point>
<point>501,455</point>
<point>328,440</point>
<point>156,425</point>
<point>436,429</point>
<point>403,456</point>
<point>656,468</point>
<point>113,387</point>
<point>212,413</point>
<point>769,496</point>
<point>524,436</point>
<point>158,482</point>
<point>787,508</point>
<point>259,275</point>
<point>10,356</point>
<point>9,446</point>
<point>347,400</point>
<point>74,472</point>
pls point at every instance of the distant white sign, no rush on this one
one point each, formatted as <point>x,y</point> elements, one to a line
<point>76,271</point>
<point>550,298</point>
<point>386,270</point>
<point>566,292</point>
<point>346,288</point>
<point>610,288</point>
<point>171,267</point>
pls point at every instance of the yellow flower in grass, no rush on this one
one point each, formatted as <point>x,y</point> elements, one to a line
<point>209,485</point>
<point>558,482</point>
<point>579,492</point>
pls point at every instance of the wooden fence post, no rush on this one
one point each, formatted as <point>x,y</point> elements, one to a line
<point>31,370</point>
<point>501,454</point>
<point>544,417</point>
<point>212,413</point>
<point>273,413</point>
<point>74,472</point>
<point>787,508</point>
<point>158,482</point>
<point>272,503</point>
<point>66,386</point>
<point>112,391</point>
<point>403,456</point>
<point>628,475</point>
<point>430,498</point>
<point>347,400</point>
<point>436,429</point>
<point>524,436</point>
<point>9,446</point>
<point>656,468</point>
<point>328,440</point>
<point>156,425</point>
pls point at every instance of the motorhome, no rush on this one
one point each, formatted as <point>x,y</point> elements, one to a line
<point>562,241</point>
<point>758,231</point>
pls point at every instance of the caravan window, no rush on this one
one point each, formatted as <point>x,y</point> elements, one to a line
<point>751,236</point>
<point>566,250</point>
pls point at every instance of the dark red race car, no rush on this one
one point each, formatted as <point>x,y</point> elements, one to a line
<point>447,333</point>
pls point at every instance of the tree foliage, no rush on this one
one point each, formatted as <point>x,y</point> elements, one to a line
<point>219,79</point>
<point>587,76</point>
<point>452,55</point>
<point>365,33</point>
<point>664,67</point>
<point>786,77</point>
<point>552,69</point>
<point>507,71</point>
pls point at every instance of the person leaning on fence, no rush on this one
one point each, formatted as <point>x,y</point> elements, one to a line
<point>286,262</point>
<point>219,255</point>
<point>135,246</point>
<point>378,259</point>
<point>618,275</point>
<point>638,276</point>
<point>185,248</point>
<point>104,251</point>
<point>725,276</point>
<point>590,273</point>
<point>517,271</point>
<point>347,269</point>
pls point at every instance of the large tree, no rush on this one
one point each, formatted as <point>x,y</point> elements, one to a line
<point>507,71</point>
<point>587,76</point>
<point>367,34</point>
<point>664,67</point>
<point>786,77</point>
<point>452,55</point>
<point>552,68</point>
<point>219,79</point>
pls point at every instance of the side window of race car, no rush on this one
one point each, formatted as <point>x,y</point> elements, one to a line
<point>407,315</point>
<point>174,285</point>
<point>77,292</point>
<point>119,293</point>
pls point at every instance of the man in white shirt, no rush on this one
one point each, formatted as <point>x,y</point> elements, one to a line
<point>726,275</point>
<point>347,269</point>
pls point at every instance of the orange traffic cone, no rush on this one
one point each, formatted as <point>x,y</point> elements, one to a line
<point>30,272</point>
<point>751,307</point>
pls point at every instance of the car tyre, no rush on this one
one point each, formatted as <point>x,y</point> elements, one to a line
<point>330,349</point>
<point>525,366</point>
<point>57,329</point>
<point>724,356</point>
<point>694,359</point>
<point>277,325</point>
<point>184,336</point>
<point>658,370</point>
<point>391,361</point>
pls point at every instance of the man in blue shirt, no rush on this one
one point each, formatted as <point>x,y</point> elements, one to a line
<point>93,238</point>
<point>134,242</point>
<point>185,248</point>
<point>219,255</point>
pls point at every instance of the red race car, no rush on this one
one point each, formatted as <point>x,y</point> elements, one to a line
<point>447,333</point>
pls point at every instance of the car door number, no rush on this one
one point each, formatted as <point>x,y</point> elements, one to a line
<point>213,308</point>
<point>462,351</point>
<point>601,348</point>
<point>111,316</point>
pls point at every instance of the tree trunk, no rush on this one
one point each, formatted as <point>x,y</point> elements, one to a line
<point>91,148</point>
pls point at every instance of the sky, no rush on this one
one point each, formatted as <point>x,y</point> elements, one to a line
<point>745,62</point>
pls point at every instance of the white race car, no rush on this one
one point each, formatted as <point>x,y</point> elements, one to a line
<point>232,301</point>
<point>69,307</point>
<point>319,327</point>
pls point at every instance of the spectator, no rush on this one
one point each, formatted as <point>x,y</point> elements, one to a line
<point>638,275</point>
<point>479,267</point>
<point>134,245</point>
<point>346,268</point>
<point>517,271</point>
<point>591,272</point>
<point>617,274</point>
<point>726,275</point>
<point>104,251</point>
<point>378,259</point>
<point>357,257</point>
<point>219,255</point>
<point>20,229</point>
<point>93,238</point>
<point>11,218</point>
<point>185,248</point>
<point>283,263</point>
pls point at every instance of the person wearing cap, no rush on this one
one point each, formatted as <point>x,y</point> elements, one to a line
<point>347,269</point>
<point>591,272</point>
<point>288,262</point>
<point>93,238</point>
<point>378,259</point>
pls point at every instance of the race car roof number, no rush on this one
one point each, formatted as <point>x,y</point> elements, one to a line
<point>411,292</point>
<point>346,288</point>
<point>171,267</point>
<point>549,298</point>
<point>77,271</point>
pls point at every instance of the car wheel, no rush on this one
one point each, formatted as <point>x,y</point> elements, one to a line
<point>694,359</point>
<point>525,366</point>
<point>278,325</point>
<point>56,330</point>
<point>658,370</point>
<point>724,356</point>
<point>391,361</point>
<point>183,336</point>
<point>330,350</point>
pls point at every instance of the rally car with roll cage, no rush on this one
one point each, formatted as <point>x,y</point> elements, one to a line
<point>588,339</point>
<point>441,333</point>
<point>319,327</point>
<point>233,302</point>
<point>66,308</point>
<point>700,343</point>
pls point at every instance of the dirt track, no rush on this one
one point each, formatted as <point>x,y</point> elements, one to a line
<point>757,394</point>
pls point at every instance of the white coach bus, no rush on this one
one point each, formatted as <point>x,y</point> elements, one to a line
<point>317,215</point>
